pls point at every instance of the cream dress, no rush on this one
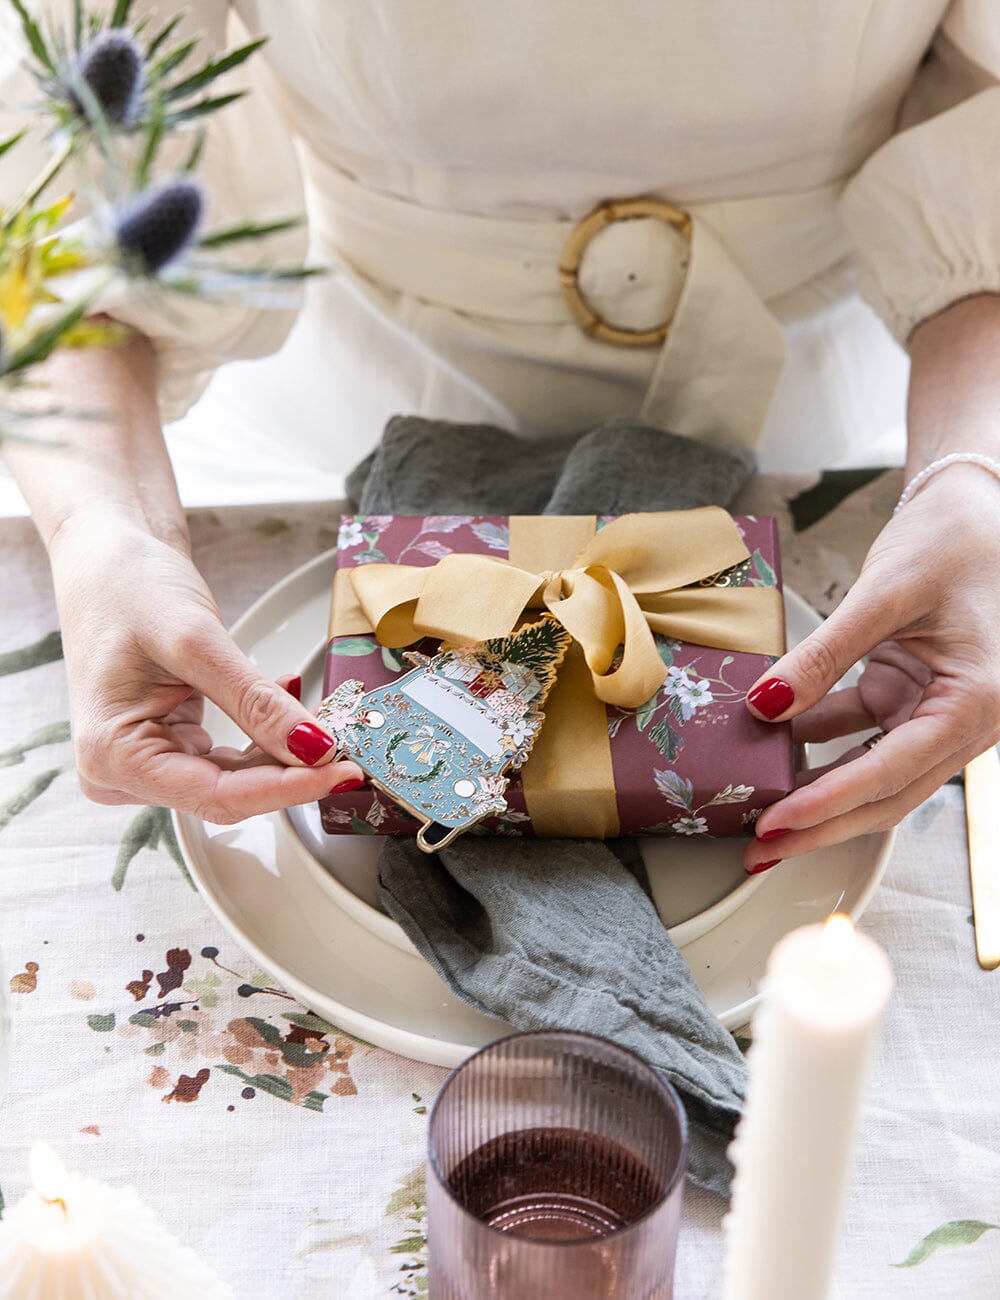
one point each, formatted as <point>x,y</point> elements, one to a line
<point>830,154</point>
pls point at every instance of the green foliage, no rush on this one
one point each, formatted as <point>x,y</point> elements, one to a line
<point>52,734</point>
<point>539,647</point>
<point>667,741</point>
<point>353,646</point>
<point>248,230</point>
<point>102,1024</point>
<point>45,651</point>
<point>148,829</point>
<point>959,1232</point>
<point>27,796</point>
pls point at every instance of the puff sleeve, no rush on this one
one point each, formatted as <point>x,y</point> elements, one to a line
<point>248,170</point>
<point>924,210</point>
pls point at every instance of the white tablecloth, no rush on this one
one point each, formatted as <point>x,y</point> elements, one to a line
<point>149,1049</point>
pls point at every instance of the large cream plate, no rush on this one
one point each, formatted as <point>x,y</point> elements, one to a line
<point>304,905</point>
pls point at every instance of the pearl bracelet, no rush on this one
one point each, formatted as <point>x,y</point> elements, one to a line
<point>956,458</point>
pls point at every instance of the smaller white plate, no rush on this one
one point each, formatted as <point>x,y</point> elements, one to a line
<point>695,883</point>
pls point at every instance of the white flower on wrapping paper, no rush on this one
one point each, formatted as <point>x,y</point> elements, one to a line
<point>691,694</point>
<point>691,826</point>
<point>349,534</point>
<point>426,744</point>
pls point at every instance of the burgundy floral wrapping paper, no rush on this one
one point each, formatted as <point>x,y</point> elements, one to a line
<point>690,761</point>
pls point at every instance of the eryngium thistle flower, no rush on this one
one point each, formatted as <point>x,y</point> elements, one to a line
<point>112,67</point>
<point>159,225</point>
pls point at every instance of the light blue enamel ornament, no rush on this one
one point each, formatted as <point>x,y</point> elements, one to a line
<point>441,740</point>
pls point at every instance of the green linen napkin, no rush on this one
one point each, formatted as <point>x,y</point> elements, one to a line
<point>561,933</point>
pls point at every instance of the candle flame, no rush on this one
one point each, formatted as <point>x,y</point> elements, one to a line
<point>838,940</point>
<point>48,1174</point>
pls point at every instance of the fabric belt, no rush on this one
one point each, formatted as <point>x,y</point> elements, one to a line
<point>713,377</point>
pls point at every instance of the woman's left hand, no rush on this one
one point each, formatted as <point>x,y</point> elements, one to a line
<point>926,611</point>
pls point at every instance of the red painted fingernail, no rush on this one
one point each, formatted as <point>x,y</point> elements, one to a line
<point>294,688</point>
<point>309,742</point>
<point>776,834</point>
<point>772,697</point>
<point>762,866</point>
<point>352,783</point>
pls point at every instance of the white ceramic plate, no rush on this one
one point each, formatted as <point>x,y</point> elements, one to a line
<point>304,904</point>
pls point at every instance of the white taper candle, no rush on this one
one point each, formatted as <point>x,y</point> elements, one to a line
<point>823,997</point>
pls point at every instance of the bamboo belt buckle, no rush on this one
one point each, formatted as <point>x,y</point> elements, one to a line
<point>572,257</point>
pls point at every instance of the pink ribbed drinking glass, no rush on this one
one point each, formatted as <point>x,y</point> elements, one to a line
<point>556,1169</point>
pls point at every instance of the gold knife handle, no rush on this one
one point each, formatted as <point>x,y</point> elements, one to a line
<point>982,807</point>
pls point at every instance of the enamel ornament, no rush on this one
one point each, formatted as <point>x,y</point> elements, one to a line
<point>442,739</point>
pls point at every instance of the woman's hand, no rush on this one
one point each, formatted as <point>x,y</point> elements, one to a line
<point>145,646</point>
<point>926,610</point>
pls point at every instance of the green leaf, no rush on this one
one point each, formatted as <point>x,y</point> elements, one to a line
<point>676,789</point>
<point>2,1204</point>
<point>204,107</point>
<point>33,35</point>
<point>676,709</point>
<point>248,230</point>
<point>11,141</point>
<point>664,651</point>
<point>161,36</point>
<point>52,734</point>
<point>267,1031</point>
<point>393,659</point>
<point>27,796</point>
<point>45,341</point>
<point>764,569</point>
<point>170,61</point>
<point>194,156</point>
<point>188,1026</point>
<point>306,1020</point>
<point>409,1245</point>
<point>215,68</point>
<point>102,1024</point>
<point>834,486</point>
<point>147,829</point>
<point>314,1100</point>
<point>144,1019</point>
<point>959,1232</point>
<point>119,15</point>
<point>46,651</point>
<point>271,1083</point>
<point>666,740</point>
<point>299,1055</point>
<point>412,1193</point>
<point>77,25</point>
<point>644,714</point>
<point>359,827</point>
<point>151,145</point>
<point>353,646</point>
<point>157,1049</point>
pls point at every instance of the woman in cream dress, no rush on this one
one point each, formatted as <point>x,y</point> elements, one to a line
<point>808,161</point>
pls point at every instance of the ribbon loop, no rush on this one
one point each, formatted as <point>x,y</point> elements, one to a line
<point>633,578</point>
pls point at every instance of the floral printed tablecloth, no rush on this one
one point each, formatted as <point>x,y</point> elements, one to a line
<point>150,1050</point>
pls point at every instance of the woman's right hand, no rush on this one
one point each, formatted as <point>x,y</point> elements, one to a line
<point>145,646</point>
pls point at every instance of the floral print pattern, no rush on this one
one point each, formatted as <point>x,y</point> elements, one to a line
<point>293,1055</point>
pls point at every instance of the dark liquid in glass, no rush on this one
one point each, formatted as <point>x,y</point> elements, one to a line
<point>555,1184</point>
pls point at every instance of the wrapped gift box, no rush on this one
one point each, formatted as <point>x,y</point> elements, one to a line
<point>690,760</point>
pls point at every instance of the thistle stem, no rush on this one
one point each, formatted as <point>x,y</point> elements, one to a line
<point>48,174</point>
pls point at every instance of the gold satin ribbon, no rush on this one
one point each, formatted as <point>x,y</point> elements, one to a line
<point>631,579</point>
<point>609,589</point>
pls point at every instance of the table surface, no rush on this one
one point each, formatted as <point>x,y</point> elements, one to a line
<point>204,1109</point>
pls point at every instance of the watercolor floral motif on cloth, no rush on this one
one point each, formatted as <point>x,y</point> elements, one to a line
<point>441,738</point>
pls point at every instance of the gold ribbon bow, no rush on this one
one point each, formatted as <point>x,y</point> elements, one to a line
<point>632,578</point>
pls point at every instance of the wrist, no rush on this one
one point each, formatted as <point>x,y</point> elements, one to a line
<point>75,532</point>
